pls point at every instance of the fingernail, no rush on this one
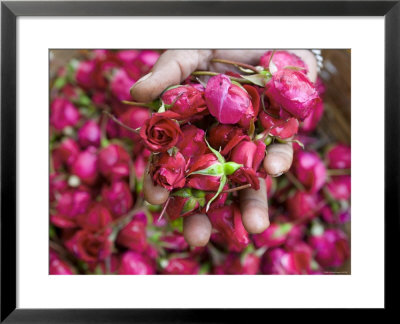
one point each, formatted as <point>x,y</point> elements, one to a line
<point>145,77</point>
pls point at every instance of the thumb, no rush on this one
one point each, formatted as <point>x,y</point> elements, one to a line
<point>172,67</point>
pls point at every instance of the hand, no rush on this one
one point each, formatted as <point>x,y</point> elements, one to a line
<point>172,68</point>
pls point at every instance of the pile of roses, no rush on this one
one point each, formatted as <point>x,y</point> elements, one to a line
<point>198,140</point>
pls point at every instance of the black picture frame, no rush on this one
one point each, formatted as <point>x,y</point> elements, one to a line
<point>9,13</point>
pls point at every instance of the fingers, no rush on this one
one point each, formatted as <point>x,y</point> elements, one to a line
<point>278,159</point>
<point>155,195</point>
<point>254,209</point>
<point>172,67</point>
<point>309,58</point>
<point>196,229</point>
<point>245,56</point>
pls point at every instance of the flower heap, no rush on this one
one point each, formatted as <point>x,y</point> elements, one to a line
<point>202,140</point>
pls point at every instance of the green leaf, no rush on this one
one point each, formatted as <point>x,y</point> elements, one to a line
<point>282,230</point>
<point>60,82</point>
<point>220,188</point>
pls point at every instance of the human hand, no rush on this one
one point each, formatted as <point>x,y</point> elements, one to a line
<point>172,68</point>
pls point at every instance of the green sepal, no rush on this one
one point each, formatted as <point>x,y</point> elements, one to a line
<point>221,187</point>
<point>282,230</point>
<point>185,193</point>
<point>231,167</point>
<point>216,153</point>
<point>215,170</point>
<point>189,205</point>
<point>198,193</point>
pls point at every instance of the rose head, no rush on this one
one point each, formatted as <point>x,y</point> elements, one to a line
<point>185,201</point>
<point>273,236</point>
<point>86,166</point>
<point>302,205</point>
<point>120,84</point>
<point>226,137</point>
<point>118,198</point>
<point>247,264</point>
<point>339,157</point>
<point>282,60</point>
<point>90,247</point>
<point>133,236</point>
<point>293,92</point>
<point>58,184</point>
<point>184,100</point>
<point>60,267</point>
<point>191,144</point>
<point>146,59</point>
<point>96,218</point>
<point>228,221</point>
<point>281,128</point>
<point>63,114</point>
<point>169,171</point>
<point>134,117</point>
<point>332,248</point>
<point>174,241</point>
<point>203,181</point>
<point>160,133</point>
<point>310,123</point>
<point>183,266</point>
<point>309,170</point>
<point>227,102</point>
<point>85,74</point>
<point>89,134</point>
<point>114,162</point>
<point>133,263</point>
<point>249,153</point>
<point>339,187</point>
<point>65,154</point>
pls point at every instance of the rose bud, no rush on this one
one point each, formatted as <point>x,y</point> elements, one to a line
<point>272,261</point>
<point>90,247</point>
<point>120,84</point>
<point>335,217</point>
<point>339,187</point>
<point>96,218</point>
<point>339,157</point>
<point>65,154</point>
<point>185,201</point>
<point>282,60</point>
<point>293,92</point>
<point>192,145</point>
<point>86,165</point>
<point>302,205</point>
<point>134,118</point>
<point>186,101</point>
<point>114,162</point>
<point>309,170</point>
<point>176,266</point>
<point>63,113</point>
<point>249,153</point>
<point>273,236</point>
<point>246,264</point>
<point>70,204</point>
<point>160,133</point>
<point>146,59</point>
<point>281,128</point>
<point>89,134</point>
<point>332,247</point>
<point>226,137</point>
<point>58,266</point>
<point>169,171</point>
<point>57,185</point>
<point>133,263</point>
<point>118,198</point>
<point>85,74</point>
<point>228,102</point>
<point>310,123</point>
<point>298,260</point>
<point>228,221</point>
<point>174,241</point>
<point>203,181</point>
<point>133,236</point>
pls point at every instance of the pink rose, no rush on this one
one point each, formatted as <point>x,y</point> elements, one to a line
<point>292,91</point>
<point>310,123</point>
<point>114,162</point>
<point>282,60</point>
<point>226,137</point>
<point>309,170</point>
<point>133,235</point>
<point>63,114</point>
<point>86,166</point>
<point>96,218</point>
<point>339,187</point>
<point>89,134</point>
<point>120,85</point>
<point>134,118</point>
<point>274,235</point>
<point>282,128</point>
<point>226,101</point>
<point>339,157</point>
<point>118,198</point>
<point>183,266</point>
<point>169,171</point>
<point>302,205</point>
<point>65,153</point>
<point>133,263</point>
<point>191,144</point>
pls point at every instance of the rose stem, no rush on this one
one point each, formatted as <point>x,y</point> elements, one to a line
<point>134,103</point>
<point>164,209</point>
<point>294,180</point>
<point>338,172</point>
<point>243,65</point>
<point>237,188</point>
<point>209,73</point>
<point>120,123</point>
